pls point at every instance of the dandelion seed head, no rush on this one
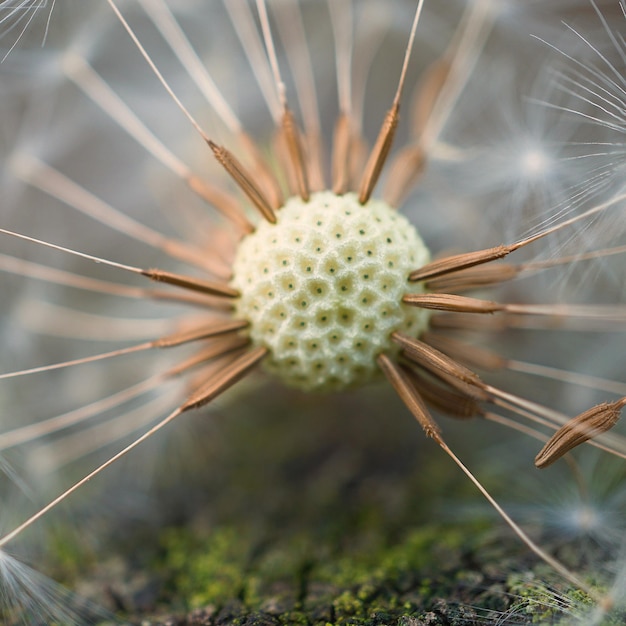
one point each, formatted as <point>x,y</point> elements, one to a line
<point>322,284</point>
<point>535,162</point>
<point>585,518</point>
<point>321,288</point>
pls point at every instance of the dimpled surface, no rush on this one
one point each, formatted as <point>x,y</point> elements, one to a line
<point>322,288</point>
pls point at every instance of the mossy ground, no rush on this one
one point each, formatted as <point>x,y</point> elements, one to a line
<point>284,510</point>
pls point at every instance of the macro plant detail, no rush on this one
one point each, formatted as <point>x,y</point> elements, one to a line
<point>302,270</point>
<point>323,289</point>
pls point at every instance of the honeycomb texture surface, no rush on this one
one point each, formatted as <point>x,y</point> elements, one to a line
<point>322,288</point>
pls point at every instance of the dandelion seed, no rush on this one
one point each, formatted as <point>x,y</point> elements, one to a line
<point>306,274</point>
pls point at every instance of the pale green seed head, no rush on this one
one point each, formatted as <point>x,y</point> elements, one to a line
<point>322,288</point>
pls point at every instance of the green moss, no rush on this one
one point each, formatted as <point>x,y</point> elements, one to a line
<point>208,572</point>
<point>546,599</point>
<point>302,578</point>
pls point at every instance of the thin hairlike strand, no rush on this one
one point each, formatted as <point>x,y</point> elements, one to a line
<point>467,382</point>
<point>41,176</point>
<point>32,432</point>
<point>548,228</point>
<point>169,28</point>
<point>341,23</point>
<point>454,271</point>
<point>463,304</point>
<point>222,155</point>
<point>616,44</point>
<point>223,381</point>
<point>213,288</point>
<point>589,91</point>
<point>460,321</point>
<point>24,434</point>
<point>475,26</point>
<point>382,147</point>
<point>567,376</point>
<point>92,85</point>
<point>439,92</point>
<point>292,33</point>
<point>40,597</point>
<point>77,445</point>
<point>345,126</point>
<point>48,274</point>
<point>203,331</point>
<point>402,385</point>
<point>271,52</point>
<point>95,259</point>
<point>288,128</point>
<point>54,320</point>
<point>475,356</point>
<point>513,425</point>
<point>376,24</point>
<point>458,262</point>
<point>31,520</point>
<point>89,359</point>
<point>488,275</point>
<point>409,164</point>
<point>243,22</point>
<point>156,71</point>
<point>26,9</point>
<point>605,601</point>
<point>350,150</point>
<point>166,23</point>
